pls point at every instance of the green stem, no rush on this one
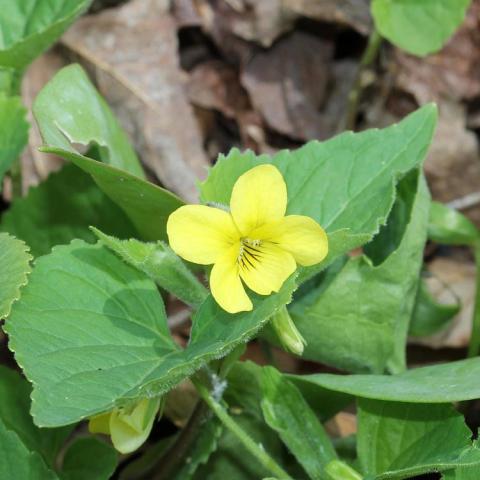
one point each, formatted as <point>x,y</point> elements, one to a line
<point>256,450</point>
<point>338,470</point>
<point>474,346</point>
<point>368,57</point>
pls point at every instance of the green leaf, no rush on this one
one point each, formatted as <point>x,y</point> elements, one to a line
<point>347,183</point>
<point>69,110</point>
<point>61,209</point>
<point>231,460</point>
<point>448,382</point>
<point>89,458</point>
<point>29,27</point>
<point>244,388</point>
<point>462,473</point>
<point>146,205</point>
<point>430,316</point>
<point>161,264</point>
<point>91,334</point>
<point>450,227</point>
<point>13,131</point>
<point>203,447</point>
<point>14,413</point>
<point>398,440</point>
<point>371,338</point>
<point>28,452</point>
<point>89,331</point>
<point>17,461</point>
<point>286,411</point>
<point>418,27</point>
<point>14,268</point>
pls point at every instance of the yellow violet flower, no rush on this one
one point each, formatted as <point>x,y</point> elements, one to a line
<point>255,242</point>
<point>128,427</point>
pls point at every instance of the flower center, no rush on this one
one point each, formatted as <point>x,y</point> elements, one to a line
<point>249,254</point>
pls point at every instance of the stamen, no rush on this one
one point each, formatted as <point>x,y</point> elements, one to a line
<point>248,255</point>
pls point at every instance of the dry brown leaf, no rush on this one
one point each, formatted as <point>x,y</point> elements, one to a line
<point>454,72</point>
<point>288,84</point>
<point>453,164</point>
<point>343,424</point>
<point>266,20</point>
<point>351,13</point>
<point>37,166</point>
<point>457,276</point>
<point>215,85</point>
<point>131,52</point>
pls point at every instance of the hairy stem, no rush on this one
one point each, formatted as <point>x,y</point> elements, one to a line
<point>256,450</point>
<point>368,57</point>
<point>474,346</point>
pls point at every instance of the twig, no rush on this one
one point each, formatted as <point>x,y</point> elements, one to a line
<point>467,201</point>
<point>369,55</point>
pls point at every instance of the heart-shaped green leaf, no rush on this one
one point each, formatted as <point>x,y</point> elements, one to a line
<point>419,27</point>
<point>91,333</point>
<point>29,27</point>
<point>373,337</point>
<point>69,111</point>
<point>13,132</point>
<point>14,268</point>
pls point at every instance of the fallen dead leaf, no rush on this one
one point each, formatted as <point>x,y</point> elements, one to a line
<point>454,72</point>
<point>351,13</point>
<point>37,166</point>
<point>343,424</point>
<point>457,276</point>
<point>145,90</point>
<point>453,164</point>
<point>288,85</point>
<point>265,21</point>
<point>215,85</point>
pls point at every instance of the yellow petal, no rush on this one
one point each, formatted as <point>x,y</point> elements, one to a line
<point>225,283</point>
<point>258,196</point>
<point>130,429</point>
<point>302,236</point>
<point>265,267</point>
<point>199,233</point>
<point>100,423</point>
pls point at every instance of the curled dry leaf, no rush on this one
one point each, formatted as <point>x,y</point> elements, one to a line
<point>264,21</point>
<point>290,86</point>
<point>451,277</point>
<point>342,425</point>
<point>37,166</point>
<point>214,85</point>
<point>351,13</point>
<point>454,150</point>
<point>453,72</point>
<point>146,92</point>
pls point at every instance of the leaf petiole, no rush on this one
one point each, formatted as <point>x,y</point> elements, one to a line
<point>254,448</point>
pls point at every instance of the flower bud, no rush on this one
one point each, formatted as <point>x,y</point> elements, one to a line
<point>288,335</point>
<point>127,426</point>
